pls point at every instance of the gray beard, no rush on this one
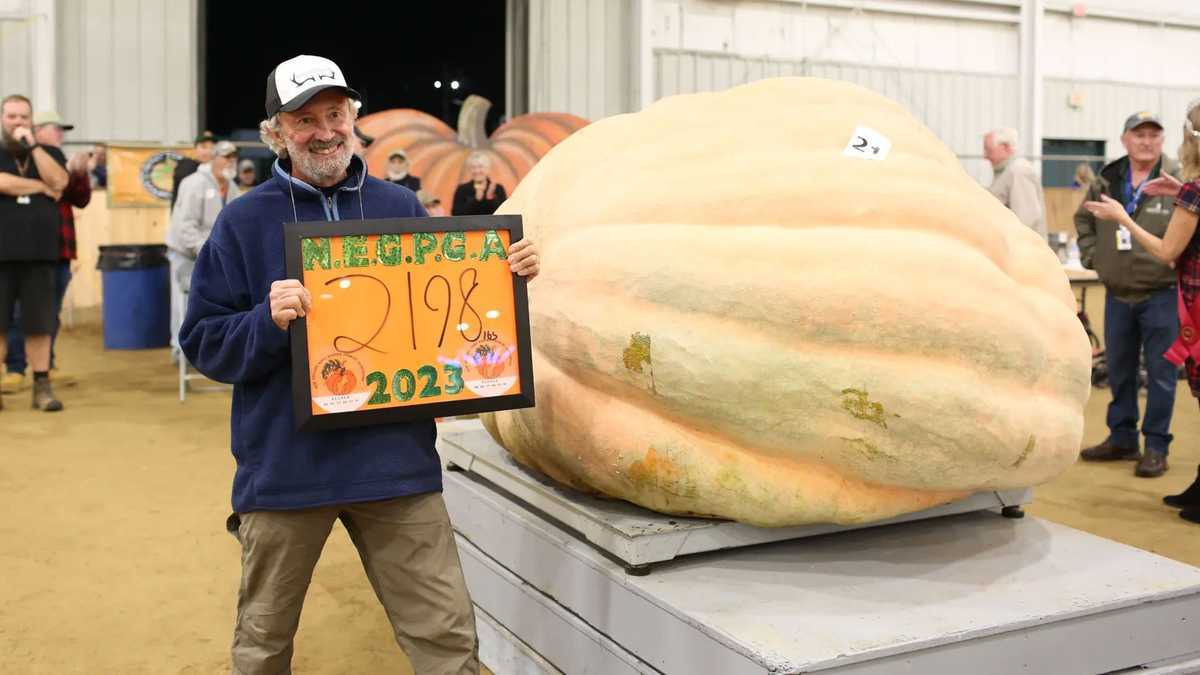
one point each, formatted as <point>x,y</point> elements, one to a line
<point>324,169</point>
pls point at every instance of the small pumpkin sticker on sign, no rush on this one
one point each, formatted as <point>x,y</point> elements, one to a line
<point>866,143</point>
<point>339,383</point>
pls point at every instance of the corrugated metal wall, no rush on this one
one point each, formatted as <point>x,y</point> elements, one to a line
<point>958,107</point>
<point>580,57</point>
<point>16,48</point>
<point>1115,68</point>
<point>127,69</point>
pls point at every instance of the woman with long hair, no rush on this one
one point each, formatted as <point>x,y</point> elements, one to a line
<point>1181,247</point>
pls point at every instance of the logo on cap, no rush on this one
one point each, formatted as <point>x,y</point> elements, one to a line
<point>312,76</point>
<point>298,79</point>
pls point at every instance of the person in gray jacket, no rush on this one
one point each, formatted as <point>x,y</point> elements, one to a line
<point>201,197</point>
<point>1015,182</point>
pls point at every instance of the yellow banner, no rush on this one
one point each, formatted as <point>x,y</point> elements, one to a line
<point>141,175</point>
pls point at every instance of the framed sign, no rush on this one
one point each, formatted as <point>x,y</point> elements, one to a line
<point>412,318</point>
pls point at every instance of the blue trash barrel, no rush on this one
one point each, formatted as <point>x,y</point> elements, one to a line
<point>137,296</point>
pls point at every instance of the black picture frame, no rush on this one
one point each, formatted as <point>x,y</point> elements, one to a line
<point>294,233</point>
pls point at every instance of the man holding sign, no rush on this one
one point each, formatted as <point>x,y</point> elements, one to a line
<point>383,482</point>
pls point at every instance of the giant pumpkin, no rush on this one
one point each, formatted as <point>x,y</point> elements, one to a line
<point>438,156</point>
<point>737,318</point>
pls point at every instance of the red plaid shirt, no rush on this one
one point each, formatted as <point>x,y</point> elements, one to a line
<point>77,194</point>
<point>1188,268</point>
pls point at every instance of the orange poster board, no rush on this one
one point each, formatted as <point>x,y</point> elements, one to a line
<point>412,318</point>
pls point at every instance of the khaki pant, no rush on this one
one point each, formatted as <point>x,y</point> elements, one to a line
<point>411,559</point>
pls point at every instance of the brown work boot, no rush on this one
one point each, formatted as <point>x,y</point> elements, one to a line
<point>1106,452</point>
<point>43,397</point>
<point>1152,465</point>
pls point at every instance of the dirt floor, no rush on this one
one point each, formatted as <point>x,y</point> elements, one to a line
<point>115,559</point>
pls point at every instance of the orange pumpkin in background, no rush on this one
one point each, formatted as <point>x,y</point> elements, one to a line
<point>438,156</point>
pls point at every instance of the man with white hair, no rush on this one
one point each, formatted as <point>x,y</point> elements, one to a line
<point>382,482</point>
<point>1014,182</point>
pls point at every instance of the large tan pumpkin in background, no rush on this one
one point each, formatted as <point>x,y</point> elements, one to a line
<point>736,319</point>
<point>438,155</point>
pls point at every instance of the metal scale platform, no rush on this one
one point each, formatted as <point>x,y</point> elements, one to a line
<point>953,590</point>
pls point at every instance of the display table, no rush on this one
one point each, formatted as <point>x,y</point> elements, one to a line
<point>966,593</point>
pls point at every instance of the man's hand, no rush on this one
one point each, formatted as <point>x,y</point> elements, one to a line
<point>290,300</point>
<point>50,192</point>
<point>1165,185</point>
<point>523,259</point>
<point>78,163</point>
<point>24,135</point>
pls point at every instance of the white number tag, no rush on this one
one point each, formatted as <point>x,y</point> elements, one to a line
<point>866,143</point>
<point>1124,239</point>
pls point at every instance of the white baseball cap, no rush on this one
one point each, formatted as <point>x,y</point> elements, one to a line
<point>292,83</point>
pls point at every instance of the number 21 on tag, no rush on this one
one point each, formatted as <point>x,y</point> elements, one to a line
<point>866,143</point>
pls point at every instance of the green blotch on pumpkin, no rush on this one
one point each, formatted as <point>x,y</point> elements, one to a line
<point>1029,447</point>
<point>858,403</point>
<point>869,449</point>
<point>637,353</point>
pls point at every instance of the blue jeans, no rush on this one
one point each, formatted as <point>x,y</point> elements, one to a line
<point>1149,326</point>
<point>14,360</point>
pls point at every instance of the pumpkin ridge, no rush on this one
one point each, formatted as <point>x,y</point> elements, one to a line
<point>517,148</point>
<point>1032,378</point>
<point>870,500</point>
<point>658,237</point>
<point>566,124</point>
<point>1001,260</point>
<point>1045,410</point>
<point>999,475</point>
<point>1018,375</point>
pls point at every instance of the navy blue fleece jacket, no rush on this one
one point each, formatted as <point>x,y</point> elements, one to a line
<point>229,336</point>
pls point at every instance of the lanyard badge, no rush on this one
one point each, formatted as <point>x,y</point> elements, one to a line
<point>1124,239</point>
<point>24,200</point>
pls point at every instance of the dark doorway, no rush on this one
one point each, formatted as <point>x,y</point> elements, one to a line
<point>391,53</point>
<point>1061,158</point>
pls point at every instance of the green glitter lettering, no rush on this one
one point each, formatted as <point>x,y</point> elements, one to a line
<point>454,246</point>
<point>316,252</point>
<point>423,244</point>
<point>354,250</point>
<point>388,250</point>
<point>492,245</point>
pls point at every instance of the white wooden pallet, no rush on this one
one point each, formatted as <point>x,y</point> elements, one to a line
<point>970,593</point>
<point>634,535</point>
